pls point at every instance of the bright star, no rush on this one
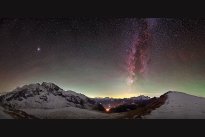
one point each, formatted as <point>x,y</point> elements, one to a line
<point>38,49</point>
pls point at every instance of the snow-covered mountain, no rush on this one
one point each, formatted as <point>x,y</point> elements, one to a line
<point>115,102</point>
<point>139,98</point>
<point>45,96</point>
<point>48,101</point>
<point>179,106</point>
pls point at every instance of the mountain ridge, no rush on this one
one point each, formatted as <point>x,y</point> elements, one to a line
<point>45,95</point>
<point>47,100</point>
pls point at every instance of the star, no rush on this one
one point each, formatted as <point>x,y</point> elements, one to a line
<point>38,49</point>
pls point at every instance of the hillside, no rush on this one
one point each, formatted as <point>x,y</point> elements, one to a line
<point>179,106</point>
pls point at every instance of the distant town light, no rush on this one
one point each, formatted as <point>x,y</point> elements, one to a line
<point>107,109</point>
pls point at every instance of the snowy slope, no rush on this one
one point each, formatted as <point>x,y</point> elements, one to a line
<point>45,96</point>
<point>4,115</point>
<point>179,106</point>
<point>70,113</point>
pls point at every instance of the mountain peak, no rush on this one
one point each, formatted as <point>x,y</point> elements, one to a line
<point>44,85</point>
<point>174,92</point>
<point>30,86</point>
<point>50,85</point>
<point>46,95</point>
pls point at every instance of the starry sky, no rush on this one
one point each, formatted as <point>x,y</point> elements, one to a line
<point>100,57</point>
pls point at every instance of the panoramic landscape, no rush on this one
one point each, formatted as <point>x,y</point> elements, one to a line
<point>102,68</point>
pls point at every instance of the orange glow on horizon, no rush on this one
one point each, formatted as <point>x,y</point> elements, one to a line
<point>128,95</point>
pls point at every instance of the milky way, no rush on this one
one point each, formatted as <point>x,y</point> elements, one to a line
<point>138,57</point>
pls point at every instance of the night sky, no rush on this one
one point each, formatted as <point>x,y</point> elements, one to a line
<point>100,57</point>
